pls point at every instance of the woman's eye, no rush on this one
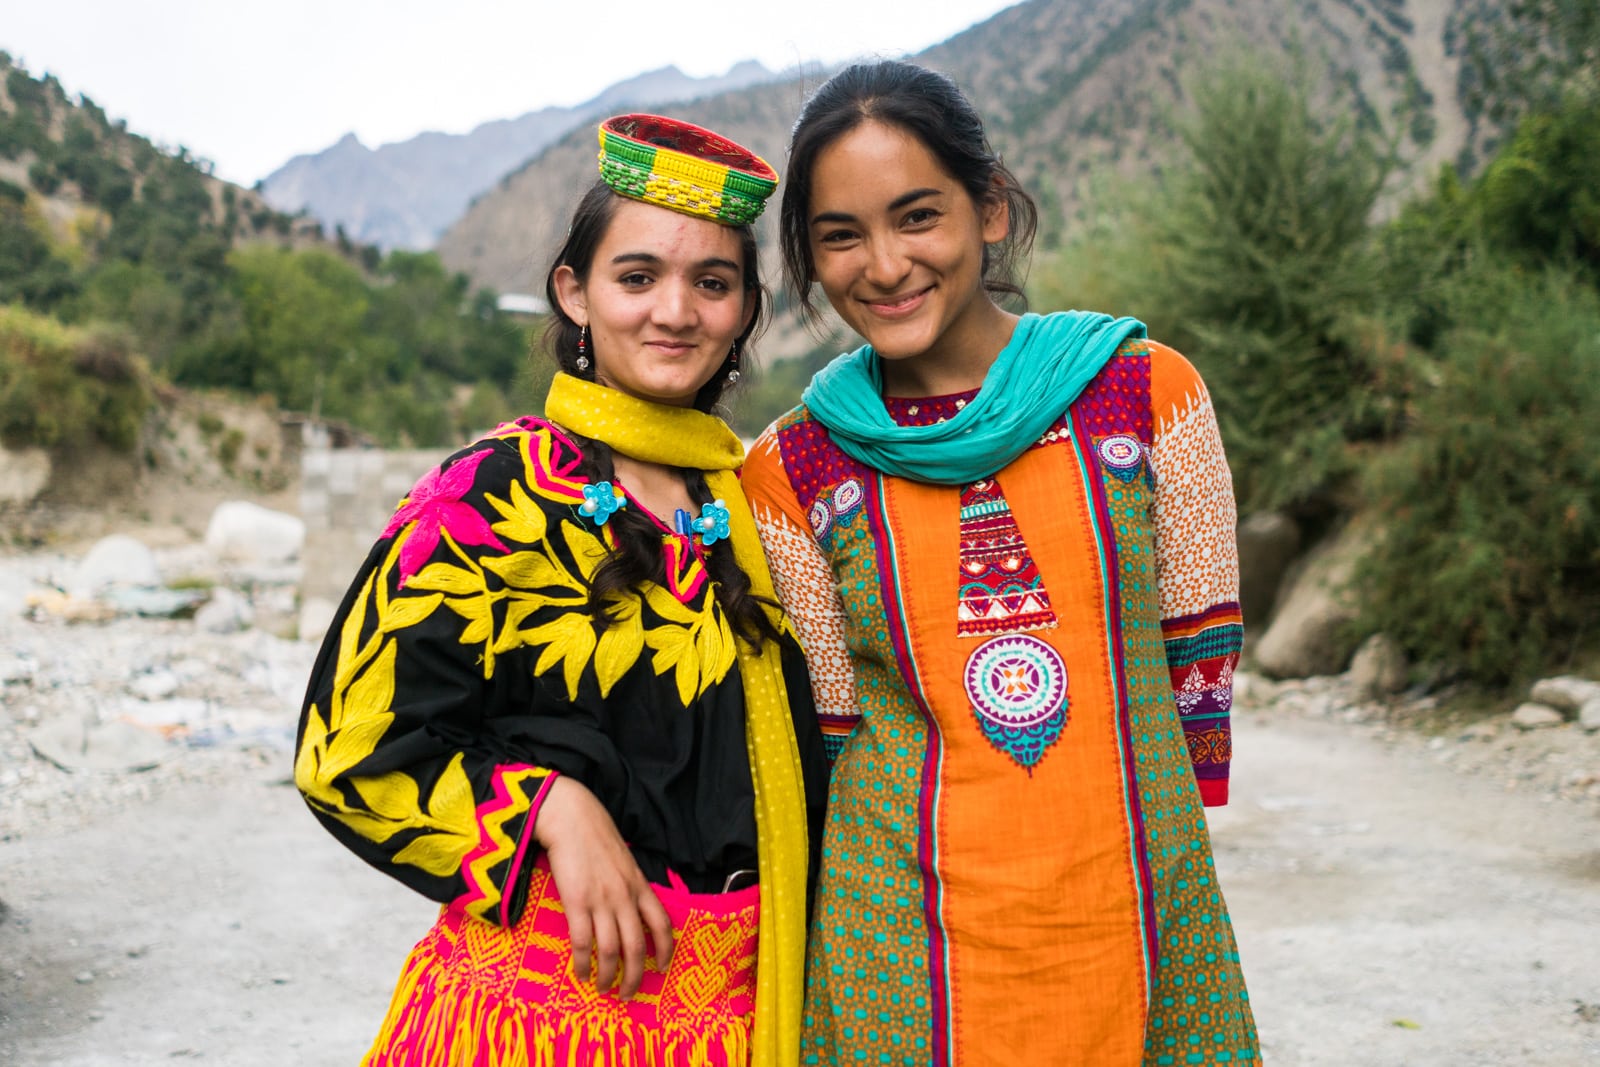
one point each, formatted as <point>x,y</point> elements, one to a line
<point>636,278</point>
<point>716,285</point>
<point>921,216</point>
<point>835,237</point>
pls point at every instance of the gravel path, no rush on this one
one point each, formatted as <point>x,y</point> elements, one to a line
<point>1390,911</point>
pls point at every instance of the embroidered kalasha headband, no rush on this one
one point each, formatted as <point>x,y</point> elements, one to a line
<point>684,167</point>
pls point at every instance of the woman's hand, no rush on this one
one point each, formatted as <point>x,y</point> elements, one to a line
<point>608,902</point>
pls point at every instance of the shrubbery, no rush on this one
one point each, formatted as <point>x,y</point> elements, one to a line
<point>1488,561</point>
<point>61,386</point>
<point>1438,373</point>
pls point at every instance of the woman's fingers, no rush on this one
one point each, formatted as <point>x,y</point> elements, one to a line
<point>580,931</point>
<point>659,924</point>
<point>607,950</point>
<point>631,932</point>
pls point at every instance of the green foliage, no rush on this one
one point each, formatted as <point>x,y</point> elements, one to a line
<point>1490,559</point>
<point>1256,258</point>
<point>770,391</point>
<point>61,385</point>
<point>1541,196</point>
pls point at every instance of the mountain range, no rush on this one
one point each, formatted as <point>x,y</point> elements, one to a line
<point>404,195</point>
<point>1070,90</point>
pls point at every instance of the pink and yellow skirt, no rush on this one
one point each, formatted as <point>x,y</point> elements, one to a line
<point>477,995</point>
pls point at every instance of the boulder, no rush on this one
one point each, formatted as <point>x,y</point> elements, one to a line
<point>1379,667</point>
<point>23,474</point>
<point>242,532</point>
<point>117,561</point>
<point>84,745</point>
<point>1268,544</point>
<point>1566,693</point>
<point>1536,717</point>
<point>226,612</point>
<point>1589,715</point>
<point>1307,635</point>
<point>316,613</point>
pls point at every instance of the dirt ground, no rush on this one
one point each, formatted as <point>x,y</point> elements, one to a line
<point>1390,910</point>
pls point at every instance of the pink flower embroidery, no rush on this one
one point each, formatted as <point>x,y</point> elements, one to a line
<point>435,504</point>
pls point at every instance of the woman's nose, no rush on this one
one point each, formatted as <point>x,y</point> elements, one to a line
<point>887,265</point>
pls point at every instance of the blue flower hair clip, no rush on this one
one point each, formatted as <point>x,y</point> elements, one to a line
<point>712,525</point>
<point>600,501</point>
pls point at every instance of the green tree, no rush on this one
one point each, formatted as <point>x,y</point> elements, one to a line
<point>1260,258</point>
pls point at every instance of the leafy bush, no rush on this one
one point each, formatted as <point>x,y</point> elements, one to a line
<point>61,385</point>
<point>1490,561</point>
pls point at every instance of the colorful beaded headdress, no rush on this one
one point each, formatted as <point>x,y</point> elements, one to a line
<point>683,167</point>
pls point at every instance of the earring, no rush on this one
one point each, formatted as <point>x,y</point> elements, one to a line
<point>583,347</point>
<point>733,357</point>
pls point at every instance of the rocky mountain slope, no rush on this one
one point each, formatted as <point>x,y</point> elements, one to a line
<point>404,195</point>
<point>1070,88</point>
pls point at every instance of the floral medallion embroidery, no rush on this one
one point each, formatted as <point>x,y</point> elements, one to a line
<point>1122,454</point>
<point>1018,688</point>
<point>847,496</point>
<point>821,516</point>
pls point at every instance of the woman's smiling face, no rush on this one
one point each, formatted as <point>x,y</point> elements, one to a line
<point>664,301</point>
<point>897,243</point>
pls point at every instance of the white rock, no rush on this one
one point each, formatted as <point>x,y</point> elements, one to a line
<point>157,685</point>
<point>23,474</point>
<point>114,561</point>
<point>1307,633</point>
<point>315,615</point>
<point>1589,715</point>
<point>1566,693</point>
<point>80,745</point>
<point>1536,717</point>
<point>1379,667</point>
<point>250,533</point>
<point>226,612</point>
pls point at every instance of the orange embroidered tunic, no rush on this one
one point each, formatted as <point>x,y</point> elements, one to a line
<point>1024,685</point>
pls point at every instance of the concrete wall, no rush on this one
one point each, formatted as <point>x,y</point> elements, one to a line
<point>346,499</point>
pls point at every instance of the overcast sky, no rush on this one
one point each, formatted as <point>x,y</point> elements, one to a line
<point>248,86</point>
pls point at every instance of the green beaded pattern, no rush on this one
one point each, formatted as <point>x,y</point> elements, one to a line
<point>1199,1009</point>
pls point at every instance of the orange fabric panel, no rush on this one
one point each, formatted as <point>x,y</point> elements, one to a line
<point>1030,966</point>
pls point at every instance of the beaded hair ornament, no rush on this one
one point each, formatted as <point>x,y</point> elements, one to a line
<point>685,168</point>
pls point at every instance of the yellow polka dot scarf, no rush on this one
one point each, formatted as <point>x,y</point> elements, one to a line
<point>684,437</point>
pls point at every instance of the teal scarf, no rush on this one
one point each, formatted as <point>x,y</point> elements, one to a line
<point>1037,376</point>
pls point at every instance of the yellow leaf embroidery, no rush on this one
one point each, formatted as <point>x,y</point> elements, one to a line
<point>531,570</point>
<point>524,521</point>
<point>674,647</point>
<point>446,578</point>
<point>394,796</point>
<point>620,644</point>
<point>408,611</point>
<point>587,549</point>
<point>372,695</point>
<point>451,801</point>
<point>570,641</point>
<point>439,854</point>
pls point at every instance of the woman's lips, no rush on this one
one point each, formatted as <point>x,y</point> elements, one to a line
<point>900,306</point>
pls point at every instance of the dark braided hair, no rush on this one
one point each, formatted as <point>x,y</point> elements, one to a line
<point>635,557</point>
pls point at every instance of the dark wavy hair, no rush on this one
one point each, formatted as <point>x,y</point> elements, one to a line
<point>930,107</point>
<point>636,557</point>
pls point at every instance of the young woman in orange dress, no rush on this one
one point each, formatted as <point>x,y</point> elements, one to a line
<point>560,698</point>
<point>1007,543</point>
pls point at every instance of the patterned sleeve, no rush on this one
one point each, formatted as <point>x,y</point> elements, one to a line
<point>398,753</point>
<point>806,587</point>
<point>1197,564</point>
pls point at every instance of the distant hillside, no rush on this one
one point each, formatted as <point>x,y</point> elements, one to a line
<point>73,171</point>
<point>404,195</point>
<point>1069,88</point>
